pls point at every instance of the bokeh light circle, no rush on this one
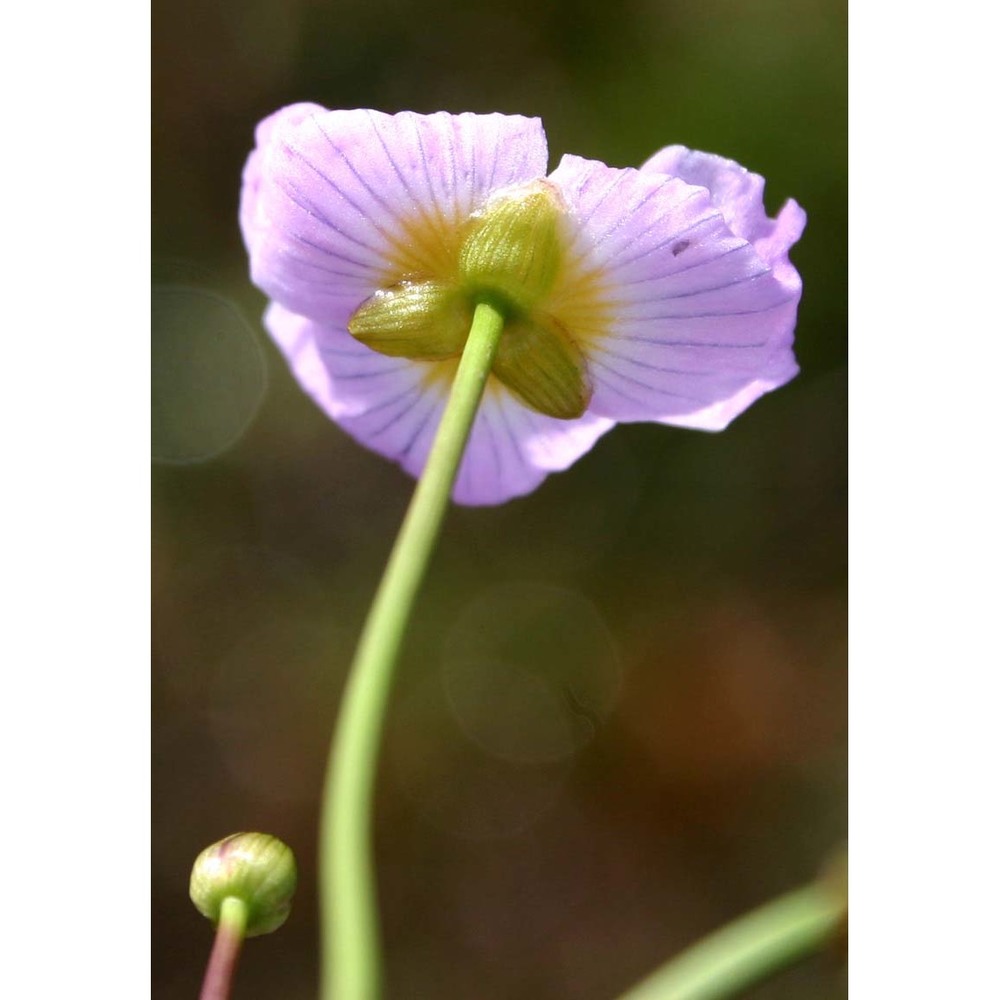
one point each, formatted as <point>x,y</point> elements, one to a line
<point>530,672</point>
<point>456,786</point>
<point>209,374</point>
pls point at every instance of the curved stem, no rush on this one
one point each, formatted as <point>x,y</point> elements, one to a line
<point>749,949</point>
<point>351,966</point>
<point>229,934</point>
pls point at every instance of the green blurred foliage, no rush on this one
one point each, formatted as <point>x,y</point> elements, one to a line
<point>655,789</point>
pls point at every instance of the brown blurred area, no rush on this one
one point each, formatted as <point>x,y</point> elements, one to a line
<point>620,714</point>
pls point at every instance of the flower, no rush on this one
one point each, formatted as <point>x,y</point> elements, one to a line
<point>660,294</point>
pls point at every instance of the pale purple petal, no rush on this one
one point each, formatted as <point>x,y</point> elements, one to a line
<point>512,449</point>
<point>701,324</point>
<point>335,198</point>
<point>251,223</point>
<point>401,424</point>
<point>344,377</point>
<point>394,406</point>
<point>739,195</point>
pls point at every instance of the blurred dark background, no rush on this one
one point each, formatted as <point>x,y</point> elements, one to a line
<point>620,716</point>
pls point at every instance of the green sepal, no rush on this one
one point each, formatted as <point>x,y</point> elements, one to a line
<point>422,320</point>
<point>544,367</point>
<point>515,252</point>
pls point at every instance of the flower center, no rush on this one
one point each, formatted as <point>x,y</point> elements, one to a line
<point>511,255</point>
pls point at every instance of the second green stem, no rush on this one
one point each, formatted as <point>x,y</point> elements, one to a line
<point>730,961</point>
<point>351,963</point>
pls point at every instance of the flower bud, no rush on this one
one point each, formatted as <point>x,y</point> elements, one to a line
<point>255,868</point>
<point>515,251</point>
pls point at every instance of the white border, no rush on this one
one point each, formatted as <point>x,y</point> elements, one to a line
<point>74,412</point>
<point>925,347</point>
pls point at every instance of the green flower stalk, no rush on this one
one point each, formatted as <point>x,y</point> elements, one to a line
<point>351,957</point>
